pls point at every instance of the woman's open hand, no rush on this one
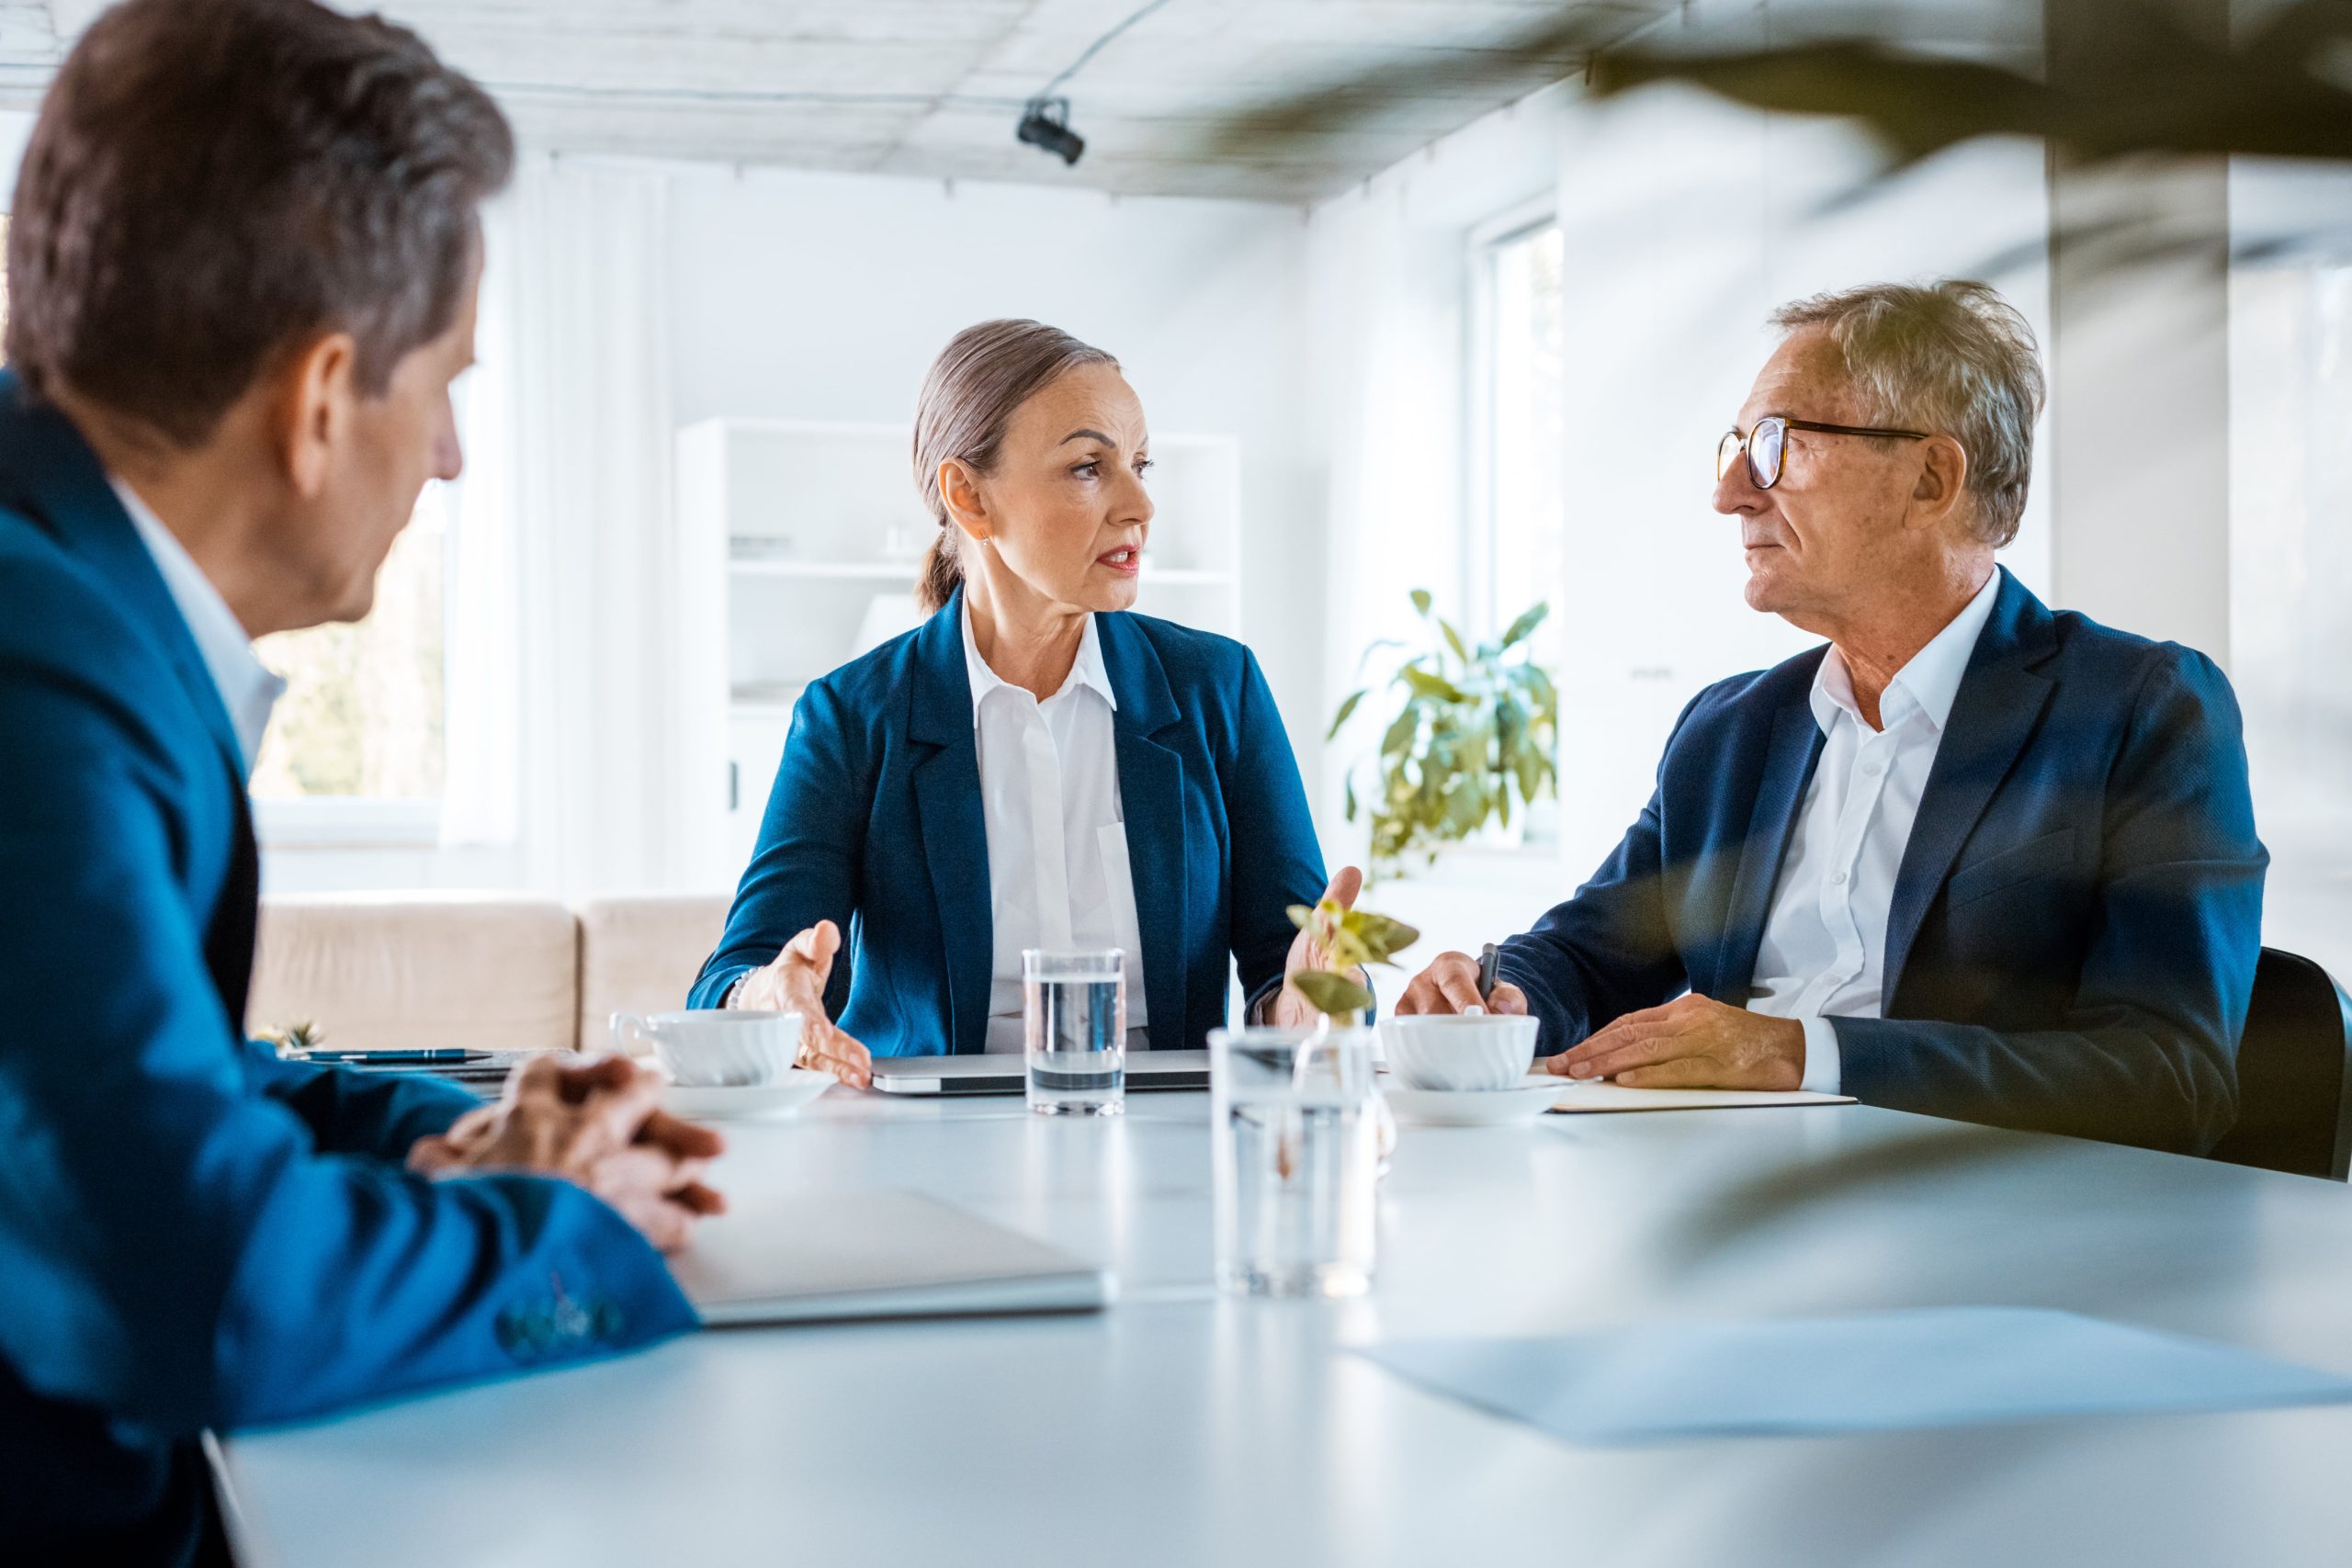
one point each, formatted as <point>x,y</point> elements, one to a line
<point>795,982</point>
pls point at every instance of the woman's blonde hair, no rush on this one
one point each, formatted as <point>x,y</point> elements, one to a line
<point>984,374</point>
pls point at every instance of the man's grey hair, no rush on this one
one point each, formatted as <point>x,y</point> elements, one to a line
<point>1951,358</point>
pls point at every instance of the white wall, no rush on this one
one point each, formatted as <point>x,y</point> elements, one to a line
<point>826,297</point>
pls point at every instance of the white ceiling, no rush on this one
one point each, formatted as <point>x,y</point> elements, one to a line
<point>934,88</point>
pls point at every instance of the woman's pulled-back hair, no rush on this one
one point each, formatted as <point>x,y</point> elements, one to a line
<point>984,374</point>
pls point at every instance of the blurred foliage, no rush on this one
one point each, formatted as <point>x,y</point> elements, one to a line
<point>1349,939</point>
<point>2119,78</point>
<point>1478,724</point>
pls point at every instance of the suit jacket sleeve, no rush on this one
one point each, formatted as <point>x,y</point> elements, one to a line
<point>349,1111</point>
<point>1609,950</point>
<point>2150,1052</point>
<point>180,1252</point>
<point>1274,861</point>
<point>805,868</point>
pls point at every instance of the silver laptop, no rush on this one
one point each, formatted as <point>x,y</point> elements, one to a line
<point>1007,1072</point>
<point>810,1257</point>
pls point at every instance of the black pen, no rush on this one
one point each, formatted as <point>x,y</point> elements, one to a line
<point>1490,961</point>
<point>411,1054</point>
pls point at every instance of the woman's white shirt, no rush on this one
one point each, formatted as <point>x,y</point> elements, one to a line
<point>1059,876</point>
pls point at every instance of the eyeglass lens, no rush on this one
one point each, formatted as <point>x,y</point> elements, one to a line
<point>1762,447</point>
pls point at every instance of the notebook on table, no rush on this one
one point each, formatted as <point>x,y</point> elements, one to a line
<point>818,1256</point>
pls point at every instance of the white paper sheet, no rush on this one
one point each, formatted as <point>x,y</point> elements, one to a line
<point>1588,1095</point>
<point>1874,1372</point>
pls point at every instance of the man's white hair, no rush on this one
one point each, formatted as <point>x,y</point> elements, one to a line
<point>1952,359</point>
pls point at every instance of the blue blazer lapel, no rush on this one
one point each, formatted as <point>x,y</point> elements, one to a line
<point>1151,797</point>
<point>1993,714</point>
<point>955,827</point>
<point>51,470</point>
<point>1790,757</point>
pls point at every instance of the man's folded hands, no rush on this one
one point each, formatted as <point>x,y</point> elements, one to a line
<point>598,1124</point>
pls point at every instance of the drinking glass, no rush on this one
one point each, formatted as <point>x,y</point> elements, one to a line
<point>1074,1026</point>
<point>1294,1123</point>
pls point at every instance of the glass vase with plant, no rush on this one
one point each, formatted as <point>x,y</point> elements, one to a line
<point>1478,726</point>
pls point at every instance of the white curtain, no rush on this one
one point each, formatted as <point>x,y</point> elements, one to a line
<point>567,738</point>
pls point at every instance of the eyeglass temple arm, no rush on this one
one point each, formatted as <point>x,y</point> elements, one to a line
<point>1851,429</point>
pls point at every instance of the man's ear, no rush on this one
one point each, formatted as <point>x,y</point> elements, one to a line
<point>1943,484</point>
<point>966,508</point>
<point>316,389</point>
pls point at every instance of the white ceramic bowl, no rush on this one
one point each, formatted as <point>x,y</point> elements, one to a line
<point>1453,1051</point>
<point>714,1048</point>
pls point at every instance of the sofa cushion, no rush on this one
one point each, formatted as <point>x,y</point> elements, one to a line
<point>380,971</point>
<point>641,954</point>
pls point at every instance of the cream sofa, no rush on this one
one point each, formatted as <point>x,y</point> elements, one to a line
<point>488,971</point>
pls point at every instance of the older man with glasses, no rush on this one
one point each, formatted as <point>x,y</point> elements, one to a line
<point>1972,857</point>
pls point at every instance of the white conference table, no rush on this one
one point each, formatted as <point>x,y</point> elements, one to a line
<point>1184,1428</point>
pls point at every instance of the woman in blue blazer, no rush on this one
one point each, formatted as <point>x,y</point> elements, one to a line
<point>1035,766</point>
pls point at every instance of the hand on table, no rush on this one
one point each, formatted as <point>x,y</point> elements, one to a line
<point>1289,1010</point>
<point>598,1125</point>
<point>1693,1042</point>
<point>795,982</point>
<point>1451,984</point>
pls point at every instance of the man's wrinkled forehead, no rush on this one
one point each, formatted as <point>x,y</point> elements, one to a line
<point>1805,378</point>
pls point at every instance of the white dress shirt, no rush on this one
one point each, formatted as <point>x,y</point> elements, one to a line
<point>1824,953</point>
<point>248,690</point>
<point>1058,875</point>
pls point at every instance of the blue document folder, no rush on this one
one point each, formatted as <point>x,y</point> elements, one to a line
<point>1880,1371</point>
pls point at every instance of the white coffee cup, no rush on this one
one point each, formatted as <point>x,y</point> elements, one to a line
<point>1459,1051</point>
<point>714,1048</point>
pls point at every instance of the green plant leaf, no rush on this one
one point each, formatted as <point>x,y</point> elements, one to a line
<point>1399,738</point>
<point>1437,688</point>
<point>1421,601</point>
<point>1526,623</point>
<point>1334,996</point>
<point>1300,916</point>
<point>1453,639</point>
<point>1349,786</point>
<point>1347,711</point>
<point>1383,938</point>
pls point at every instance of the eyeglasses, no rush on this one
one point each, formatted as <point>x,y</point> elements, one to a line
<point>1765,445</point>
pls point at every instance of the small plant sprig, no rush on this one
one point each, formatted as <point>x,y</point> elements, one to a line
<point>1349,939</point>
<point>295,1039</point>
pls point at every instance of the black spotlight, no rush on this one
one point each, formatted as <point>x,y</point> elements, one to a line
<point>1045,122</point>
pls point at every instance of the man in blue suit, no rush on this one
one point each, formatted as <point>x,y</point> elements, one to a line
<point>242,268</point>
<point>1973,858</point>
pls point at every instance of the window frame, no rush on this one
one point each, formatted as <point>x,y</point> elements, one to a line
<point>1482,243</point>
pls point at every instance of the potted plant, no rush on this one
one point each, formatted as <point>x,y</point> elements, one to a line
<point>1477,724</point>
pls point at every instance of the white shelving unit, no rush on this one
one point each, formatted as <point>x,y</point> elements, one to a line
<point>811,532</point>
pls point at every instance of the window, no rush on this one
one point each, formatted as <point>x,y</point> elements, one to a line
<point>2290,579</point>
<point>1519,510</point>
<point>354,749</point>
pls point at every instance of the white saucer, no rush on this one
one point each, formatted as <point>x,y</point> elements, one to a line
<point>790,1092</point>
<point>1471,1107</point>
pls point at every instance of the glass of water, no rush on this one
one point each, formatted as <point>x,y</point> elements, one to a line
<point>1074,1017</point>
<point>1292,1117</point>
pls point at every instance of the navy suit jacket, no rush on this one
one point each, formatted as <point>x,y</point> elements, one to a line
<point>194,1234</point>
<point>874,823</point>
<point>2076,919</point>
